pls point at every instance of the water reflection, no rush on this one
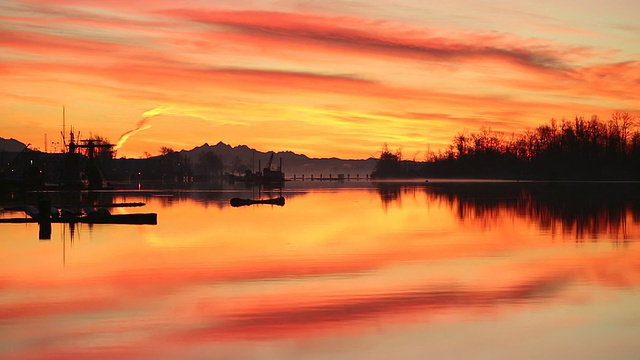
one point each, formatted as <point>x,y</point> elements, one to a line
<point>586,211</point>
<point>389,271</point>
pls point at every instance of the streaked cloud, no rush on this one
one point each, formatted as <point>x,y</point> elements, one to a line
<point>369,36</point>
<point>341,66</point>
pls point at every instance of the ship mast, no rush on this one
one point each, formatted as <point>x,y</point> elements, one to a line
<point>63,144</point>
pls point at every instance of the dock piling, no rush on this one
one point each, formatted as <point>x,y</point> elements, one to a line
<point>44,219</point>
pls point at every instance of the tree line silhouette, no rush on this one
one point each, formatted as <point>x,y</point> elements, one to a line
<point>577,149</point>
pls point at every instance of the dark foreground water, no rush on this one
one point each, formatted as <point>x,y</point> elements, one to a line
<point>356,271</point>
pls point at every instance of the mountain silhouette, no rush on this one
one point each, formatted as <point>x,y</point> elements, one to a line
<point>293,164</point>
<point>11,145</point>
<point>241,158</point>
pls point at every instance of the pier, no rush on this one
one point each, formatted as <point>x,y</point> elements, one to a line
<point>329,177</point>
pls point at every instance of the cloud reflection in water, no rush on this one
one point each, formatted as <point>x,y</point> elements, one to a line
<point>340,267</point>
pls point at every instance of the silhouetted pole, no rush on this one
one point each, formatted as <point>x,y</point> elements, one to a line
<point>44,219</point>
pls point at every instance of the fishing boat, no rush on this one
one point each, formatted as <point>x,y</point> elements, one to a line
<point>267,177</point>
<point>270,176</point>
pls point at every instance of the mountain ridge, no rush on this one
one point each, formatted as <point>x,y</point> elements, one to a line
<point>242,157</point>
<point>11,145</point>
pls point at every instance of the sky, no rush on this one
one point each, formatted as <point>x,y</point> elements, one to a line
<point>323,78</point>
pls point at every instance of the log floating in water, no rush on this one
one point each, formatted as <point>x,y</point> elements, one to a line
<point>107,205</point>
<point>235,202</point>
<point>136,219</point>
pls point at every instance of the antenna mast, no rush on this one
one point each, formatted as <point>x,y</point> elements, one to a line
<point>63,144</point>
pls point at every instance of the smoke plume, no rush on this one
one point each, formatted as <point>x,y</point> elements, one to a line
<point>143,124</point>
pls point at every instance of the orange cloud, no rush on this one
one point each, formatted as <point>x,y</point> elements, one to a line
<point>337,76</point>
<point>369,37</point>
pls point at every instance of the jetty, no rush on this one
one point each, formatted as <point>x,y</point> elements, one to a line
<point>329,177</point>
<point>122,219</point>
<point>45,215</point>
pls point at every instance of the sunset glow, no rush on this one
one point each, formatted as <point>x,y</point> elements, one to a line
<point>204,282</point>
<point>321,78</point>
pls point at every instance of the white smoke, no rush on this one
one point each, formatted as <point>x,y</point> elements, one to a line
<point>142,125</point>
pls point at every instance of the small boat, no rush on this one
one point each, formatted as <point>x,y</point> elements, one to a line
<point>270,176</point>
<point>235,202</point>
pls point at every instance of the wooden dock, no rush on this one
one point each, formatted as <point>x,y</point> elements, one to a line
<point>330,177</point>
<point>122,219</point>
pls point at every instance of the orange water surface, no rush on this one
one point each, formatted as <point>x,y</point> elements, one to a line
<point>347,272</point>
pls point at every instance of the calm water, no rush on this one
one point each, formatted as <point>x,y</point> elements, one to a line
<point>361,271</point>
